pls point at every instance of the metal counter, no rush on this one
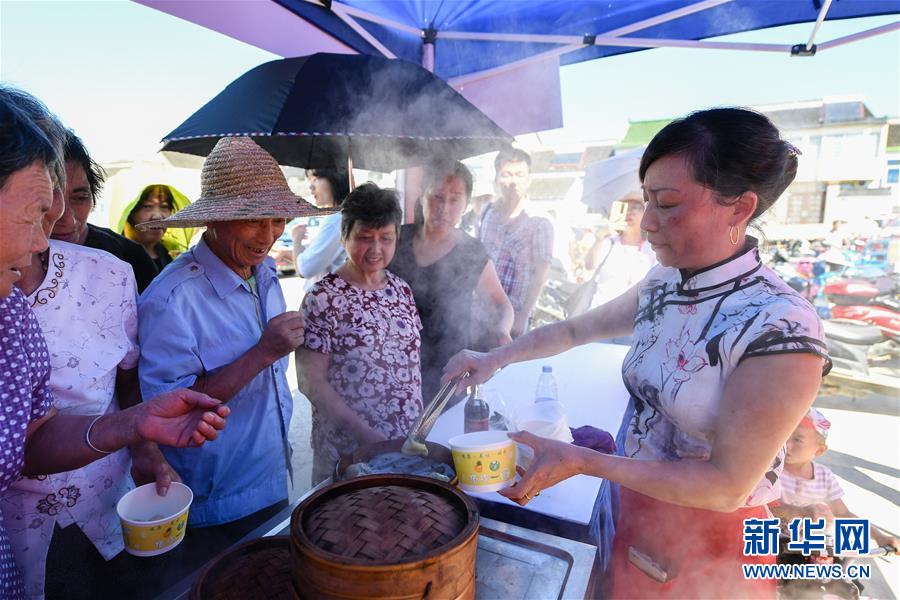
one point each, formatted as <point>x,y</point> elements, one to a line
<point>512,561</point>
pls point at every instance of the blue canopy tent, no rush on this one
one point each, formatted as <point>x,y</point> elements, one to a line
<point>484,48</point>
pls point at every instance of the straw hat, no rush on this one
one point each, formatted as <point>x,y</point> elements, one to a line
<point>240,181</point>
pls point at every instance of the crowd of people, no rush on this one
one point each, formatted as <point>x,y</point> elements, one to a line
<point>122,352</point>
<point>54,419</point>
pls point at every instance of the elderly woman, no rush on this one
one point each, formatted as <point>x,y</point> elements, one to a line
<point>86,303</point>
<point>726,360</point>
<point>36,439</point>
<point>359,363</point>
<point>447,270</point>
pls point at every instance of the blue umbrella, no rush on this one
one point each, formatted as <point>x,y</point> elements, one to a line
<point>320,110</point>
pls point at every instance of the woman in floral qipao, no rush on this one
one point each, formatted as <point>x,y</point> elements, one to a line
<point>725,361</point>
<point>359,363</point>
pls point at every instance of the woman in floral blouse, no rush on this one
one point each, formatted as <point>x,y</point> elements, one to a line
<point>726,360</point>
<point>359,364</point>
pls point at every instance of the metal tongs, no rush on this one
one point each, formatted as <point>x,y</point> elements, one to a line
<point>415,441</point>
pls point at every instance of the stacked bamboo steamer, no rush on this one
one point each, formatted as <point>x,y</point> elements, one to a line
<point>385,536</point>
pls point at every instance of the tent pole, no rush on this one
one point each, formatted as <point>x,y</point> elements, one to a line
<point>666,17</point>
<point>339,11</point>
<point>350,179</point>
<point>372,18</point>
<point>413,176</point>
<point>577,44</point>
<point>859,36</point>
<point>822,12</point>
<point>428,55</point>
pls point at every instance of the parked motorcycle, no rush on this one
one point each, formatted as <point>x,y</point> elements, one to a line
<point>874,302</point>
<point>858,348</point>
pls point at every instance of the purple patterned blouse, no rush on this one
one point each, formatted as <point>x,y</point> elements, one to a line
<point>24,397</point>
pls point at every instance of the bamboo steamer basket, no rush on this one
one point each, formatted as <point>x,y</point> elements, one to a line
<point>385,536</point>
<point>255,570</point>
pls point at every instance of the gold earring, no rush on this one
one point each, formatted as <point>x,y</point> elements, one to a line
<point>733,235</point>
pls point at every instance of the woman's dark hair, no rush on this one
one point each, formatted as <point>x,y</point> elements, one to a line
<point>437,171</point>
<point>28,133</point>
<point>730,151</point>
<point>371,206</point>
<point>76,151</point>
<point>339,180</point>
<point>157,189</point>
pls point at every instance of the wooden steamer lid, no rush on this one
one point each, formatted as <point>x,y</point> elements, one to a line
<point>385,536</point>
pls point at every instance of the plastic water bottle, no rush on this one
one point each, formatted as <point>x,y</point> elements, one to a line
<point>477,412</point>
<point>546,386</point>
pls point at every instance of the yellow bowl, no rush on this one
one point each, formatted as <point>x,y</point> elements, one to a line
<point>485,461</point>
<point>154,524</point>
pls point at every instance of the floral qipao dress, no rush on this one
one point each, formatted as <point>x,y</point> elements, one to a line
<point>690,334</point>
<point>87,308</point>
<point>372,338</point>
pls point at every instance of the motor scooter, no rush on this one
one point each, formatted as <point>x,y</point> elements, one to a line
<point>860,349</point>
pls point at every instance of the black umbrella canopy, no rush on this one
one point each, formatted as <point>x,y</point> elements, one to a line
<point>315,111</point>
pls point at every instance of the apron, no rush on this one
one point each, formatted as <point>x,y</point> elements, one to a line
<point>701,551</point>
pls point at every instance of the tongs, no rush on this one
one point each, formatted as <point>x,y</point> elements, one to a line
<point>415,441</point>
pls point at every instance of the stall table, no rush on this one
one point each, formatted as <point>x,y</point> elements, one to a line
<point>511,562</point>
<point>538,550</point>
<point>589,383</point>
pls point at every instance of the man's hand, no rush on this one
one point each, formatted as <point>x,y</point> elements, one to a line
<point>282,335</point>
<point>180,418</point>
<point>148,465</point>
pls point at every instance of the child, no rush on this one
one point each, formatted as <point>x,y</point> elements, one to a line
<point>809,489</point>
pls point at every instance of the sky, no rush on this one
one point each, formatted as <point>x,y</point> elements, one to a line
<point>123,75</point>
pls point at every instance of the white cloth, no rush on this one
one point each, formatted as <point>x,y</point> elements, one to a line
<point>690,333</point>
<point>823,487</point>
<point>87,308</point>
<point>625,266</point>
<point>324,255</point>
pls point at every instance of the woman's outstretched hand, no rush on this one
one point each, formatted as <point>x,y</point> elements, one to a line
<point>554,461</point>
<point>480,365</point>
<point>180,418</point>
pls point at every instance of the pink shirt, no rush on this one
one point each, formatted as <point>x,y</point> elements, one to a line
<point>823,487</point>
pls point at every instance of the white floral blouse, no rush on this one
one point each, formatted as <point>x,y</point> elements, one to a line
<point>86,306</point>
<point>689,336</point>
<point>372,338</point>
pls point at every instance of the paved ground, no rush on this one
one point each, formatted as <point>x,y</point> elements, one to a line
<point>865,455</point>
<point>302,418</point>
<point>863,452</point>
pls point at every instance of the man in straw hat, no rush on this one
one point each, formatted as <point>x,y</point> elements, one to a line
<point>215,320</point>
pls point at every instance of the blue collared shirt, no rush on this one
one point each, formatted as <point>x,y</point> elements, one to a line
<point>197,317</point>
